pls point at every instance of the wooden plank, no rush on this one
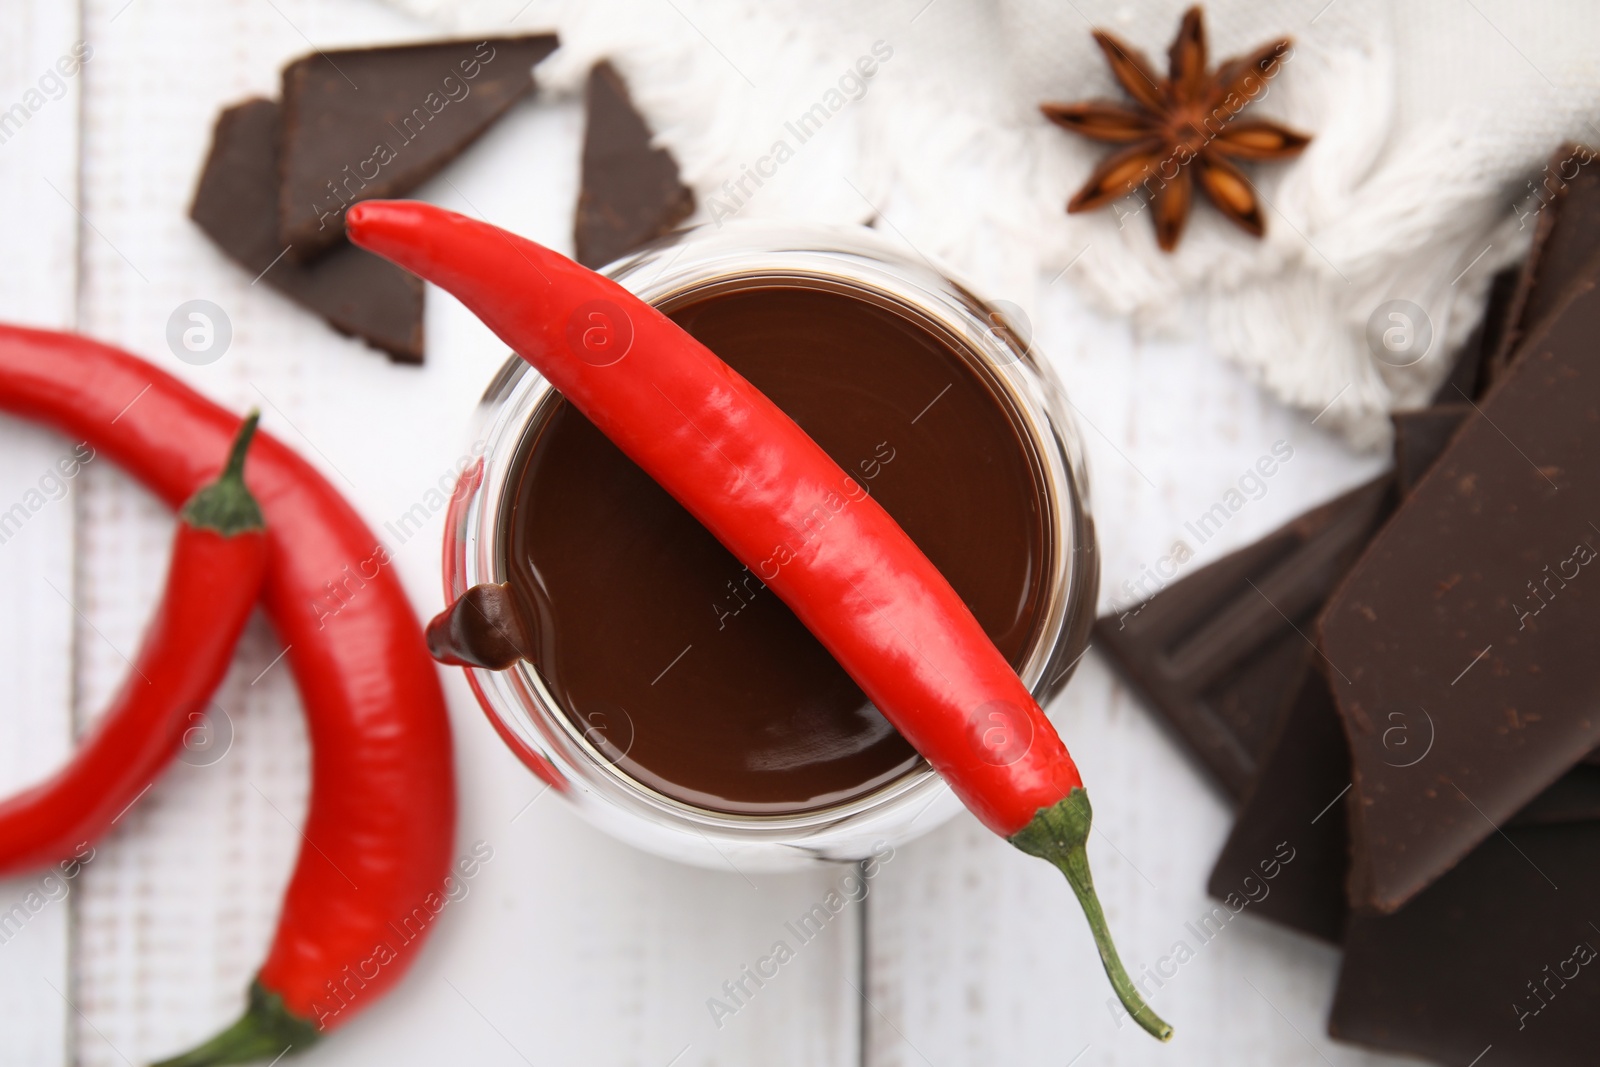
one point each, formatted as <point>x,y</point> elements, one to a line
<point>38,281</point>
<point>570,948</point>
<point>978,954</point>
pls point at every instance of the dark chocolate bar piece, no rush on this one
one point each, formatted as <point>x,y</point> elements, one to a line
<point>1221,652</point>
<point>1492,954</point>
<point>1468,374</point>
<point>236,205</point>
<point>364,123</point>
<point>1250,701</point>
<point>1295,803</point>
<point>1566,240</point>
<point>1470,621</point>
<point>1420,438</point>
<point>1575,797</point>
<point>630,192</point>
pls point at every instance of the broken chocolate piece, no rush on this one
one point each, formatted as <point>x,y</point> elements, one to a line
<point>1574,798</point>
<point>1218,652</point>
<point>630,192</point>
<point>1420,438</point>
<point>1468,374</point>
<point>1489,955</point>
<point>236,205</point>
<point>1296,800</point>
<point>377,122</point>
<point>1469,622</point>
<point>1253,700</point>
<point>1566,237</point>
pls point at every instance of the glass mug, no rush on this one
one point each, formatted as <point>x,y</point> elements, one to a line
<point>668,274</point>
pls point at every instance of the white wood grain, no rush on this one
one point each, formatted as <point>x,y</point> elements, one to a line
<point>37,286</point>
<point>570,948</point>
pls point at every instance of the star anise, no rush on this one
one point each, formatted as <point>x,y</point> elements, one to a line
<point>1182,131</point>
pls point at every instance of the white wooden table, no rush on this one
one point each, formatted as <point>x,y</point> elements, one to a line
<point>572,948</point>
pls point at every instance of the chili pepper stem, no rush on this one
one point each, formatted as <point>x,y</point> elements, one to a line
<point>225,505</point>
<point>266,1029</point>
<point>1060,834</point>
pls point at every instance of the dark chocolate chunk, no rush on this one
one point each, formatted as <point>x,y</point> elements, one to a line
<point>1252,700</point>
<point>1420,438</point>
<point>1218,652</point>
<point>236,205</point>
<point>630,192</point>
<point>377,122</point>
<point>1566,240</point>
<point>1469,622</point>
<point>1492,954</point>
<point>1295,801</point>
<point>1468,374</point>
<point>1574,798</point>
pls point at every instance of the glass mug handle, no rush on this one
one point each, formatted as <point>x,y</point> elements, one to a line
<point>471,601</point>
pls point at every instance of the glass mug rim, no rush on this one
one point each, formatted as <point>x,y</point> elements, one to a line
<point>696,263</point>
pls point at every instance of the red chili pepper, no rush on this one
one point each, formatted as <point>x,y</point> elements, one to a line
<point>219,556</point>
<point>776,500</point>
<point>381,820</point>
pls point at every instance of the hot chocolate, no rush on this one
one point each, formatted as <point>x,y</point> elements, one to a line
<point>669,655</point>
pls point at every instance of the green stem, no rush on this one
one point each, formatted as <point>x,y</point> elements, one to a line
<point>234,468</point>
<point>226,505</point>
<point>1060,834</point>
<point>266,1031</point>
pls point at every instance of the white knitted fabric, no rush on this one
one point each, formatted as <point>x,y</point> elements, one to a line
<point>1431,119</point>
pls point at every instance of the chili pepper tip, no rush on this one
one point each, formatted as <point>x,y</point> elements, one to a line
<point>383,226</point>
<point>1060,834</point>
